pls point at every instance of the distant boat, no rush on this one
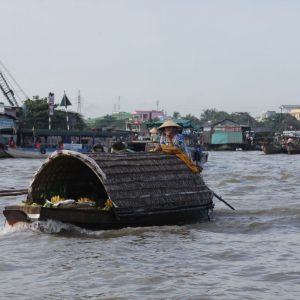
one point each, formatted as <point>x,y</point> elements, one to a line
<point>42,153</point>
<point>272,148</point>
<point>3,153</point>
<point>293,147</point>
<point>28,152</point>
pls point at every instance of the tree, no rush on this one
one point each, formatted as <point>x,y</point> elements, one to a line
<point>107,121</point>
<point>281,122</point>
<point>213,115</point>
<point>243,118</point>
<point>176,115</point>
<point>195,121</point>
<point>36,115</point>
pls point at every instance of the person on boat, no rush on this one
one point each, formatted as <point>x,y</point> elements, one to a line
<point>172,142</point>
<point>61,145</point>
<point>154,136</point>
<point>11,143</point>
<point>98,148</point>
<point>117,147</point>
<point>171,136</point>
<point>38,144</point>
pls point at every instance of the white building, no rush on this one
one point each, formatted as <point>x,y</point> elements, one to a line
<point>267,114</point>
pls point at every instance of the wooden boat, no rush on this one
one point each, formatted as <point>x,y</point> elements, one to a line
<point>144,189</point>
<point>3,153</point>
<point>293,147</point>
<point>42,153</point>
<point>272,148</point>
<point>28,152</point>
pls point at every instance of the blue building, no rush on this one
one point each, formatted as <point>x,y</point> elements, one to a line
<point>8,125</point>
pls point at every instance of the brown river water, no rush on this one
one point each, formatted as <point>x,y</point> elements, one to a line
<point>250,253</point>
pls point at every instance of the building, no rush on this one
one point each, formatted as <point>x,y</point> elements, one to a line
<point>147,115</point>
<point>140,116</point>
<point>8,124</point>
<point>228,135</point>
<point>267,115</point>
<point>288,108</point>
<point>295,113</point>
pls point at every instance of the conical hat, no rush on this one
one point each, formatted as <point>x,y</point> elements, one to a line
<point>153,130</point>
<point>169,123</point>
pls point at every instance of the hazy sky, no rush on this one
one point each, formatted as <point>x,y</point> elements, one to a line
<point>188,54</point>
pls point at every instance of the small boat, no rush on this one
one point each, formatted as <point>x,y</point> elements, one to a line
<point>109,191</point>
<point>28,152</point>
<point>41,153</point>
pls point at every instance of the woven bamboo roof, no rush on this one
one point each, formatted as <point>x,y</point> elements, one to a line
<point>130,180</point>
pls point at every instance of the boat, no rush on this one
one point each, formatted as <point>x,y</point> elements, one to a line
<point>272,148</point>
<point>293,146</point>
<point>114,190</point>
<point>41,153</point>
<point>3,153</point>
<point>20,152</point>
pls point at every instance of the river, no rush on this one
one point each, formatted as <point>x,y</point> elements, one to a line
<point>249,253</point>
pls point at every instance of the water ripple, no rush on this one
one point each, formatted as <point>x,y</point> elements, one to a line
<point>250,253</point>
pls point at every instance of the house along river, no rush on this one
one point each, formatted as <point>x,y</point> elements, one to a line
<point>250,253</point>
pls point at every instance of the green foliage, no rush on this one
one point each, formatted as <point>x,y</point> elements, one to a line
<point>107,121</point>
<point>281,122</point>
<point>176,115</point>
<point>213,116</point>
<point>244,118</point>
<point>197,123</point>
<point>36,114</point>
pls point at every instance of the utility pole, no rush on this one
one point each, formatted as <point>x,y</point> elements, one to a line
<point>51,108</point>
<point>119,107</point>
<point>157,104</point>
<point>79,103</point>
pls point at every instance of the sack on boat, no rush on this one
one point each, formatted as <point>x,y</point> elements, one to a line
<point>64,203</point>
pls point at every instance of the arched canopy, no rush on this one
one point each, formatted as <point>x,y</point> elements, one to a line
<point>130,180</point>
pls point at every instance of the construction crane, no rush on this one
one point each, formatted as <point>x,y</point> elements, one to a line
<point>5,87</point>
<point>7,91</point>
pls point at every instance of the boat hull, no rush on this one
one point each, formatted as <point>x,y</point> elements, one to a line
<point>27,153</point>
<point>272,149</point>
<point>101,220</point>
<point>3,153</point>
<point>293,148</point>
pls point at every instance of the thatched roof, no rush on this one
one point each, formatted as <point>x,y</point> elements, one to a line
<point>131,180</point>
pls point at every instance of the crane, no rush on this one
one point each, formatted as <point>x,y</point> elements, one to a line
<point>7,91</point>
<point>5,87</point>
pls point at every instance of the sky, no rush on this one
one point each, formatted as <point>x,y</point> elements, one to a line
<point>190,55</point>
